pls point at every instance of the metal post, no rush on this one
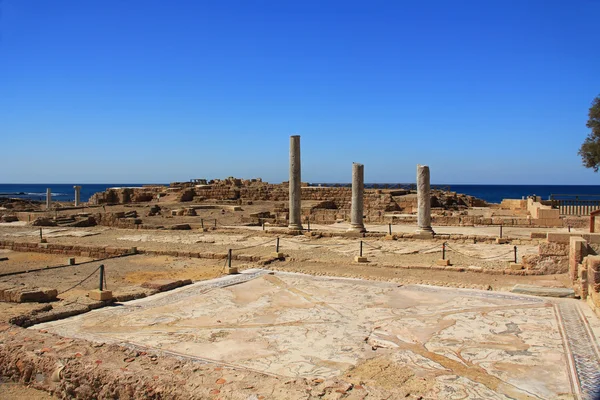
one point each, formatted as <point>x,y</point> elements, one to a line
<point>569,228</point>
<point>308,222</point>
<point>41,237</point>
<point>515,254</point>
<point>263,225</point>
<point>444,251</point>
<point>229,258</point>
<point>277,246</point>
<point>361,248</point>
<point>102,277</point>
<point>390,228</point>
<point>500,231</point>
<point>215,222</point>
<point>202,222</point>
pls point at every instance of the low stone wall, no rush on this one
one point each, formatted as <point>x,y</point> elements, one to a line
<point>584,268</point>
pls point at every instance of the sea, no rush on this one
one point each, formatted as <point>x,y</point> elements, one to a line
<point>489,193</point>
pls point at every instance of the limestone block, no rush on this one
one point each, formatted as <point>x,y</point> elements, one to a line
<point>100,295</point>
<point>548,213</point>
<point>543,291</point>
<point>538,235</point>
<point>560,237</point>
<point>360,259</point>
<point>515,266</point>
<point>443,263</point>
<point>163,285</point>
<point>577,251</point>
<point>593,270</point>
<point>553,249</point>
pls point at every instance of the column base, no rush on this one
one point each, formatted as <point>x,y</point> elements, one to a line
<point>295,227</point>
<point>424,233</point>
<point>357,228</point>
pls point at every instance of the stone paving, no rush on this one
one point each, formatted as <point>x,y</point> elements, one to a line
<point>468,343</point>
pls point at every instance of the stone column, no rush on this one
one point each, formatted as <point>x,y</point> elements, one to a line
<point>358,189</point>
<point>423,202</point>
<point>48,198</point>
<point>295,184</point>
<point>77,195</point>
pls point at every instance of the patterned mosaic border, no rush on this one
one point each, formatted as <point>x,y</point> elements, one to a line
<point>582,348</point>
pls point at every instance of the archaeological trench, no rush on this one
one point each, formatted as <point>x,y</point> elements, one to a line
<point>234,288</point>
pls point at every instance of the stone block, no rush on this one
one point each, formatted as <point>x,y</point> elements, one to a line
<point>538,235</point>
<point>423,235</point>
<point>560,237</point>
<point>278,255</point>
<point>577,251</point>
<point>543,291</point>
<point>233,271</point>
<point>100,295</point>
<point>548,213</point>
<point>163,285</point>
<point>442,262</point>
<point>501,240</point>
<point>71,261</point>
<point>553,249</point>
<point>360,259</point>
<point>515,266</point>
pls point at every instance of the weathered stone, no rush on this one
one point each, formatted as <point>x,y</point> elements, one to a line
<point>424,202</point>
<point>295,185</point>
<point>577,251</point>
<point>100,295</point>
<point>77,195</point>
<point>163,285</point>
<point>358,188</point>
<point>543,291</point>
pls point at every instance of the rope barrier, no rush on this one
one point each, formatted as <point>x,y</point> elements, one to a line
<point>479,258</point>
<point>88,277</point>
<point>256,245</point>
<point>317,245</point>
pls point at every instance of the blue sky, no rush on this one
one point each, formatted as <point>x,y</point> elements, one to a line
<point>159,91</point>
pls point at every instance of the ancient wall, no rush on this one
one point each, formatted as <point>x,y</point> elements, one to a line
<point>584,268</point>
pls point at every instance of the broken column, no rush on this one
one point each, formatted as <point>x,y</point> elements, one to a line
<point>423,202</point>
<point>295,184</point>
<point>48,198</point>
<point>358,188</point>
<point>77,195</point>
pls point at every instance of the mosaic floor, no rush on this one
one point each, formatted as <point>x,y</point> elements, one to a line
<point>468,343</point>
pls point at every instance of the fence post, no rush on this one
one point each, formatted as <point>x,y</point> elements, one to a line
<point>308,222</point>
<point>515,254</point>
<point>361,248</point>
<point>215,222</point>
<point>41,237</point>
<point>102,277</point>
<point>444,251</point>
<point>202,222</point>
<point>277,246</point>
<point>500,231</point>
<point>229,258</point>
<point>390,228</point>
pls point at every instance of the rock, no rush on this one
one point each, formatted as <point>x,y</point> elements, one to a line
<point>543,291</point>
<point>162,285</point>
<point>180,227</point>
<point>43,221</point>
<point>9,218</point>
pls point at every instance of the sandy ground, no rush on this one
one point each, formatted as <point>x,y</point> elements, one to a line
<point>334,256</point>
<point>14,391</point>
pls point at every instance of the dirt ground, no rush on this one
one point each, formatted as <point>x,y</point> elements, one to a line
<point>15,391</point>
<point>331,256</point>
